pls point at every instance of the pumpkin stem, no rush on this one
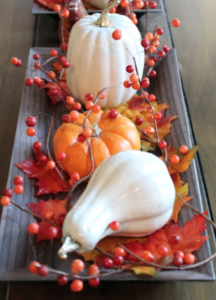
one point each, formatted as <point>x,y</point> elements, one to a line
<point>103,20</point>
<point>68,246</point>
<point>95,130</point>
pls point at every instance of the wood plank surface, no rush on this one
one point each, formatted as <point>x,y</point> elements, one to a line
<point>195,42</point>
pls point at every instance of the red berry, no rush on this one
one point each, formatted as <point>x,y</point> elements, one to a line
<point>189,258</point>
<point>31,121</point>
<point>130,69</point>
<point>18,189</point>
<point>179,254</point>
<point>113,114</point>
<point>65,64</point>
<point>51,232</point>
<point>93,270</point>
<point>176,23</point>
<point>145,43</point>
<point>62,280</point>
<point>75,176</point>
<point>114,225</point>
<point>162,144</point>
<point>19,64</point>
<point>7,192</point>
<point>147,256</point>
<point>127,84</point>
<point>33,228</point>
<point>174,159</point>
<point>177,261</point>
<point>42,157</point>
<point>89,97</point>
<point>159,31</point>
<point>14,60</point>
<point>29,81</point>
<point>77,106</point>
<point>174,239</point>
<point>41,84</point>
<point>161,53</point>
<point>183,149</point>
<point>120,251</point>
<point>145,83</point>
<point>117,34</point>
<point>64,47</point>
<point>43,271</point>
<point>77,266</point>
<point>62,58</point>
<point>158,115</point>
<point>166,49</point>
<point>163,251</point>
<point>94,282</point>
<point>76,285</point>
<point>81,138</point>
<point>118,260</point>
<point>108,263</point>
<point>34,267</point>
<point>66,118</point>
<point>37,80</point>
<point>152,4</point>
<point>51,75</point>
<point>53,52</point>
<point>5,201</point>
<point>152,98</point>
<point>153,73</point>
<point>138,120</point>
<point>61,156</point>
<point>18,180</point>
<point>36,56</point>
<point>37,65</point>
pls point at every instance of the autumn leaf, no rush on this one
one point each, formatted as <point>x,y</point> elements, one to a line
<point>137,107</point>
<point>48,3</point>
<point>181,189</point>
<point>55,92</point>
<point>49,180</point>
<point>58,207</point>
<point>58,67</point>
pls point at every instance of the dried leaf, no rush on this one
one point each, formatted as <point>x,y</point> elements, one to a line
<point>61,94</point>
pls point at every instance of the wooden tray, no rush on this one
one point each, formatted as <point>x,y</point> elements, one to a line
<point>40,9</point>
<point>15,250</point>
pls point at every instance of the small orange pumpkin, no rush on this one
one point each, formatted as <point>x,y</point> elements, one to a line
<point>110,136</point>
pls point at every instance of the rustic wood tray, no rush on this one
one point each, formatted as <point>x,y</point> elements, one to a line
<point>40,9</point>
<point>15,249</point>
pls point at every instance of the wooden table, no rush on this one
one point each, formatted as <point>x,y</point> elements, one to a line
<point>195,43</point>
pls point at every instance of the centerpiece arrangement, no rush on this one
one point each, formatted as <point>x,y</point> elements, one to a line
<point>111,144</point>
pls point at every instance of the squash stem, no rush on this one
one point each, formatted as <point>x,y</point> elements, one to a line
<point>103,21</point>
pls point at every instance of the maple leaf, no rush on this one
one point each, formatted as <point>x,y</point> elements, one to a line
<point>48,3</point>
<point>181,189</point>
<point>58,67</point>
<point>61,94</point>
<point>49,180</point>
<point>185,159</point>
<point>58,207</point>
<point>137,107</point>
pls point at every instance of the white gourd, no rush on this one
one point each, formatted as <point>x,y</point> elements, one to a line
<point>97,61</point>
<point>99,3</point>
<point>131,187</point>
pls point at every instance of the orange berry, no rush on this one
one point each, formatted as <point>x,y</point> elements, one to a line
<point>120,251</point>
<point>51,74</point>
<point>33,228</point>
<point>150,130</point>
<point>152,49</point>
<point>14,60</point>
<point>151,62</point>
<point>112,10</point>
<point>147,256</point>
<point>77,266</point>
<point>103,95</point>
<point>30,131</point>
<point>124,3</point>
<point>135,21</point>
<point>5,201</point>
<point>114,225</point>
<point>183,149</point>
<point>176,23</point>
<point>150,109</point>
<point>77,106</point>
<point>156,43</point>
<point>76,285</point>
<point>96,108</point>
<point>48,214</point>
<point>57,8</point>
<point>149,36</point>
<point>70,100</point>
<point>134,77</point>
<point>34,266</point>
<point>74,115</point>
<point>87,132</point>
<point>117,34</point>
<point>174,159</point>
<point>93,270</point>
<point>89,105</point>
<point>189,258</point>
<point>136,85</point>
<point>51,164</point>
<point>18,189</point>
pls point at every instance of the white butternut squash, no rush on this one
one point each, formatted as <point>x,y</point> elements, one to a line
<point>133,188</point>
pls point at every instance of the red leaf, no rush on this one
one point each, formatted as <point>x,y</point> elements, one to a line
<point>61,95</point>
<point>49,180</point>
<point>58,207</point>
<point>48,3</point>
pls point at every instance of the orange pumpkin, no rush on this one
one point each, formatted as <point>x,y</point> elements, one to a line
<point>110,136</point>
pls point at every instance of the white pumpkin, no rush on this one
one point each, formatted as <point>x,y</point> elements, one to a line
<point>97,61</point>
<point>99,3</point>
<point>133,188</point>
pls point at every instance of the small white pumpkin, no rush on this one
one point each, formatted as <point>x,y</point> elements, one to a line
<point>133,188</point>
<point>99,3</point>
<point>98,61</point>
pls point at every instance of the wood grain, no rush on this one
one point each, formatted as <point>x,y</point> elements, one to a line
<point>12,234</point>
